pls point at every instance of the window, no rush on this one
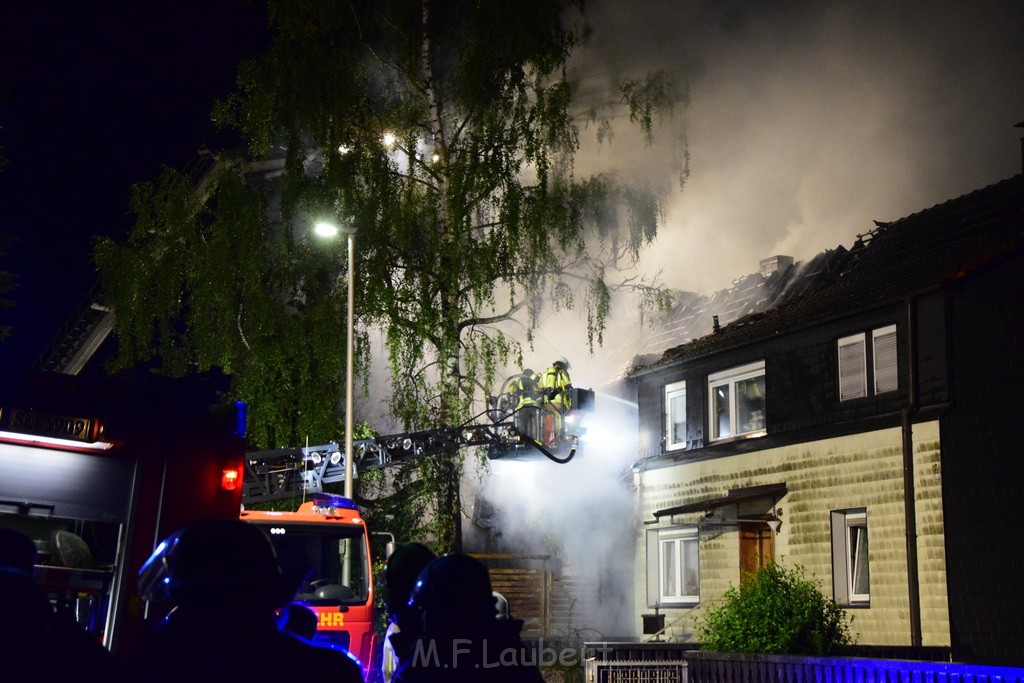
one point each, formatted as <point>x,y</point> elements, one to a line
<point>737,402</point>
<point>851,576</point>
<point>854,363</point>
<point>884,354</point>
<point>673,567</point>
<point>675,416</point>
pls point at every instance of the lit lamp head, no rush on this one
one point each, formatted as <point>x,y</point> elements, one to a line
<point>327,230</point>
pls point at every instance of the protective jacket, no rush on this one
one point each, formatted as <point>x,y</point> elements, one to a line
<point>525,389</point>
<point>556,386</point>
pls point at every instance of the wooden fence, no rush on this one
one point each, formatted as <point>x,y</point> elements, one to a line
<point>525,581</point>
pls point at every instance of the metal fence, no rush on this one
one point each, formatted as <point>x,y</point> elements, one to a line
<point>676,663</point>
<point>716,667</point>
<point>634,663</point>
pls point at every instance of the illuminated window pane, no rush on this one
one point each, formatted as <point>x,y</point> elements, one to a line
<point>737,401</point>
<point>675,416</point>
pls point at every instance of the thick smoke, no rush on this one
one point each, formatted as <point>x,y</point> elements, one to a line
<point>580,513</point>
<point>807,120</point>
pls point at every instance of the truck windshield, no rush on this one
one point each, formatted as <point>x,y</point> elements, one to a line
<point>332,555</point>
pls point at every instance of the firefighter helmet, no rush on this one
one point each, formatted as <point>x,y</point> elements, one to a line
<point>404,565</point>
<point>225,560</point>
<point>500,605</point>
<point>453,592</point>
<point>561,362</point>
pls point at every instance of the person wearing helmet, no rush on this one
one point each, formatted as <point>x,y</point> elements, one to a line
<point>461,638</point>
<point>403,566</point>
<point>556,388</point>
<point>224,582</point>
<point>556,385</point>
<point>525,401</point>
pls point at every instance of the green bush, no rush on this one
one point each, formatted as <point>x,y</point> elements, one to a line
<point>775,611</point>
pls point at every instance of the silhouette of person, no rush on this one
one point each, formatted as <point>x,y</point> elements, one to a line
<point>461,637</point>
<point>298,619</point>
<point>404,565</point>
<point>225,584</point>
<point>25,623</point>
<point>31,632</point>
<point>17,551</point>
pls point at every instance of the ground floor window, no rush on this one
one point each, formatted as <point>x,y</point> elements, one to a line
<point>851,575</point>
<point>673,567</point>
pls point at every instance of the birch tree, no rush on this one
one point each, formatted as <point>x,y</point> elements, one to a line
<point>446,133</point>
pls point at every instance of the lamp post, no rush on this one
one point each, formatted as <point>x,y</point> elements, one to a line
<point>330,230</point>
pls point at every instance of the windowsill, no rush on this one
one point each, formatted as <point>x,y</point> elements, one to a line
<point>678,605</point>
<point>741,437</point>
<point>856,605</point>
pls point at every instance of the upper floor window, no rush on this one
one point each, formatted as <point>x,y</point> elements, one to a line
<point>736,400</point>
<point>673,567</point>
<point>851,577</point>
<point>675,416</point>
<point>855,363</point>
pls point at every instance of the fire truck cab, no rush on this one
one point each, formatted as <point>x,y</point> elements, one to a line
<point>96,473</point>
<point>328,541</point>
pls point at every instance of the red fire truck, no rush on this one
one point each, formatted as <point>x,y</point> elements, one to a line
<point>97,473</point>
<point>327,540</point>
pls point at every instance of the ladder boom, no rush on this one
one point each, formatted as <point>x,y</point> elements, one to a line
<point>288,472</point>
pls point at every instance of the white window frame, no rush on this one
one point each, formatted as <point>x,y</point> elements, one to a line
<point>675,394</point>
<point>851,352</point>
<point>850,554</point>
<point>730,378</point>
<point>668,549</point>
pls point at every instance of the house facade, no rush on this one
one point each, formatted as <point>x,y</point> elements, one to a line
<point>865,430</point>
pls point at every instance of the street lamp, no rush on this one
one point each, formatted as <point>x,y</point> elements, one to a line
<point>329,230</point>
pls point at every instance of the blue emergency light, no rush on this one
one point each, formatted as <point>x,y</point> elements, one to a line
<point>241,413</point>
<point>329,500</point>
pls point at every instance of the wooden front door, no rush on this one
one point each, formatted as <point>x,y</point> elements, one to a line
<point>757,547</point>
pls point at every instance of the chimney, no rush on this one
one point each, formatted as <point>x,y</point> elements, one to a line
<point>775,263</point>
<point>1021,125</point>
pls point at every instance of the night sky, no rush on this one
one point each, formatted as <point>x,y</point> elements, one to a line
<point>808,119</point>
<point>96,96</point>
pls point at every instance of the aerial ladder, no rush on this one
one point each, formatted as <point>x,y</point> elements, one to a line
<point>508,435</point>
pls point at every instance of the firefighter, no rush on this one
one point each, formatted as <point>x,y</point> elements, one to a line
<point>403,566</point>
<point>556,388</point>
<point>525,388</point>
<point>556,385</point>
<point>525,395</point>
<point>224,581</point>
<point>462,639</point>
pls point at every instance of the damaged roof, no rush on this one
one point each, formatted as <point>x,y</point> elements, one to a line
<point>920,252</point>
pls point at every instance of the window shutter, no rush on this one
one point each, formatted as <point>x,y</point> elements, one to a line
<point>653,568</point>
<point>840,592</point>
<point>852,380</point>
<point>886,377</point>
